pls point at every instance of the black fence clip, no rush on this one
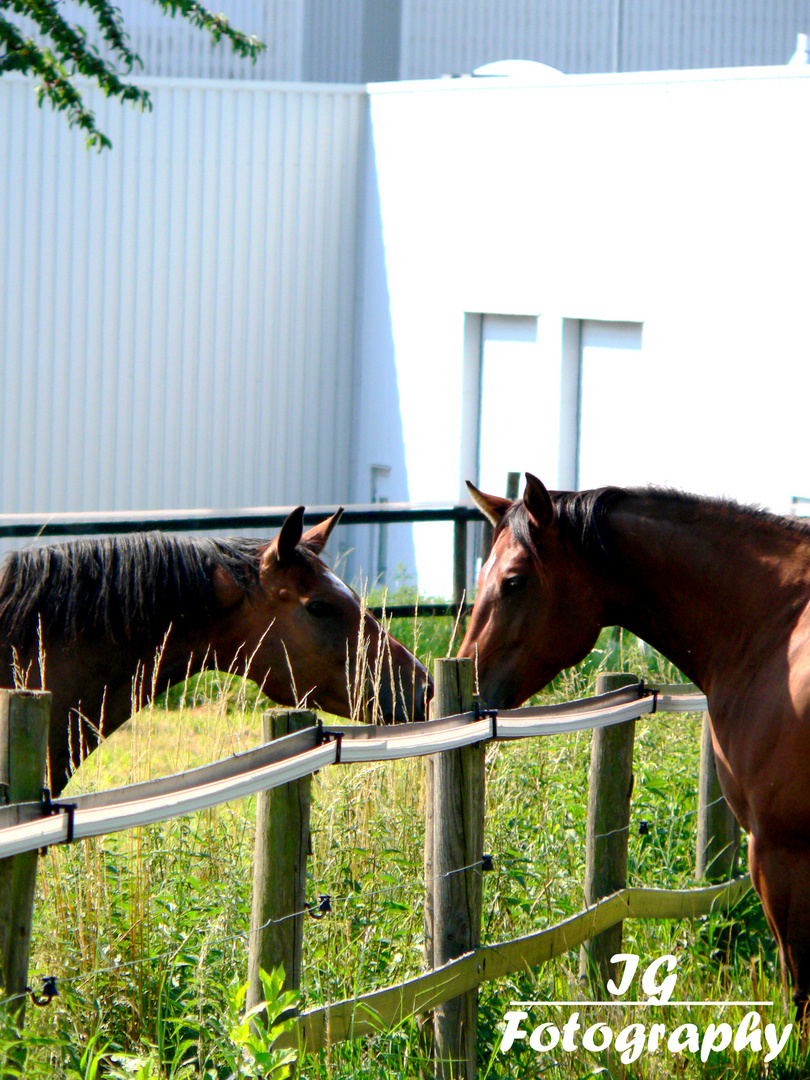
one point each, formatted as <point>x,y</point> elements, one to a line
<point>49,991</point>
<point>325,735</point>
<point>69,808</point>
<point>5,797</point>
<point>644,828</point>
<point>486,863</point>
<point>324,907</point>
<point>479,713</point>
<point>646,692</point>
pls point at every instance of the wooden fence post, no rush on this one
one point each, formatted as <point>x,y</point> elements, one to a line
<point>512,485</point>
<point>610,783</point>
<point>24,719</point>
<point>459,562</point>
<point>718,834</point>
<point>454,838</point>
<point>279,868</point>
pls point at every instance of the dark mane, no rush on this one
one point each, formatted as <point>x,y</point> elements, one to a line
<point>583,514</point>
<point>124,587</point>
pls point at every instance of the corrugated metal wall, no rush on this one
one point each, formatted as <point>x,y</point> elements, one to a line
<point>340,40</point>
<point>332,41</point>
<point>582,36</point>
<point>307,40</point>
<point>177,314</point>
<point>172,47</point>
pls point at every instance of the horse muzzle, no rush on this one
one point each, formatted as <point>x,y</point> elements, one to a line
<point>407,700</point>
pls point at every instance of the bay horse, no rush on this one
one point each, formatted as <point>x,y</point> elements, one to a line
<point>91,619</point>
<point>723,591</point>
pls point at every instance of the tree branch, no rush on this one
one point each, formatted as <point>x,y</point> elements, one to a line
<point>69,54</point>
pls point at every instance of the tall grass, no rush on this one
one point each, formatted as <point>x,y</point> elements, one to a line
<point>146,930</point>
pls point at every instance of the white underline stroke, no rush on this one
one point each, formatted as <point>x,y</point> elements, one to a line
<point>654,1004</point>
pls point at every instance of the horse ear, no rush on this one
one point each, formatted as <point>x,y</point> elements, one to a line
<point>493,507</point>
<point>538,501</point>
<point>316,537</point>
<point>290,536</point>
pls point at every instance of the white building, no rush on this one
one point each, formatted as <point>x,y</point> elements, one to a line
<point>600,279</point>
<point>266,294</point>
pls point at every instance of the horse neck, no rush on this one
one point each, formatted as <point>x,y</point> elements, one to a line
<point>183,653</point>
<point>710,588</point>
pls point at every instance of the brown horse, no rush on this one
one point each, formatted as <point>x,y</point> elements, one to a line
<point>721,590</point>
<point>102,622</point>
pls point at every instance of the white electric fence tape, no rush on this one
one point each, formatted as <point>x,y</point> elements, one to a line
<point>147,803</point>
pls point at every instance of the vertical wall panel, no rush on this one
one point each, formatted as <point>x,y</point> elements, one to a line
<point>123,348</point>
<point>333,40</point>
<point>177,314</point>
<point>172,47</point>
<point>111,321</point>
<point>11,324</point>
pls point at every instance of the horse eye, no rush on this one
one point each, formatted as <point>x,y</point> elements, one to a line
<point>514,584</point>
<point>321,609</point>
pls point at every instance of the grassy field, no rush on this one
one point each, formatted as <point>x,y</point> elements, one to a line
<point>146,930</point>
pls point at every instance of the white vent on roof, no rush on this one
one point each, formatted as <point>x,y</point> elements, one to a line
<point>802,54</point>
<point>524,70</point>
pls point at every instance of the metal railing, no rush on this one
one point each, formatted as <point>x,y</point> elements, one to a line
<point>101,523</point>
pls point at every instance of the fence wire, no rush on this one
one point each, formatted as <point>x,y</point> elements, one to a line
<point>364,897</point>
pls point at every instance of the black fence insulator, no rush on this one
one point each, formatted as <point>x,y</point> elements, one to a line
<point>646,692</point>
<point>338,737</point>
<point>325,735</point>
<point>49,991</point>
<point>479,713</point>
<point>50,807</point>
<point>486,863</point>
<point>324,907</point>
<point>644,828</point>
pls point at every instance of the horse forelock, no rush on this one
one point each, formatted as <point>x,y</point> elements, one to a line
<point>308,555</point>
<point>125,588</point>
<point>580,514</point>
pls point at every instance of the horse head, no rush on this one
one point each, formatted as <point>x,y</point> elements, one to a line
<point>536,611</point>
<point>306,637</point>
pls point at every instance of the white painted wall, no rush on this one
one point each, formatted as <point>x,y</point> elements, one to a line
<point>674,201</point>
<point>378,438</point>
